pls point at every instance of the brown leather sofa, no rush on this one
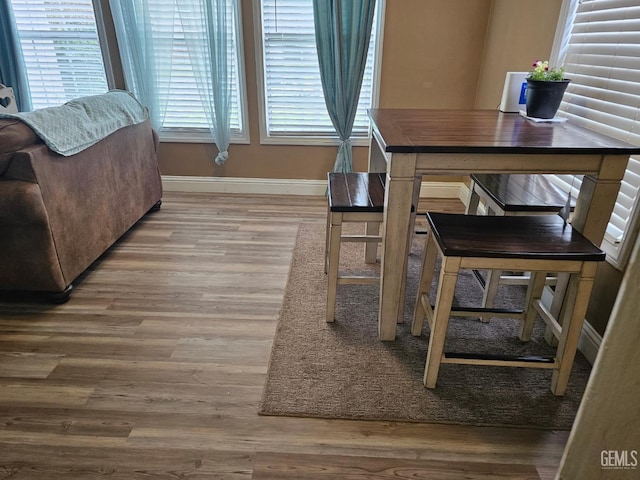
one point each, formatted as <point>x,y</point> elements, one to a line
<point>59,214</point>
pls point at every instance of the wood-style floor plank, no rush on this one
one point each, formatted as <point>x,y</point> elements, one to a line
<point>270,466</point>
<point>155,367</point>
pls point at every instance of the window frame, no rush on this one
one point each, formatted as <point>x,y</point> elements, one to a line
<point>310,139</point>
<point>101,27</point>
<point>203,135</point>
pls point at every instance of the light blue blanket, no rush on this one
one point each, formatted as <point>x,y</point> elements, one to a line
<point>80,123</point>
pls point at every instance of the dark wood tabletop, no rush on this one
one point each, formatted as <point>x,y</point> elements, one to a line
<point>485,131</point>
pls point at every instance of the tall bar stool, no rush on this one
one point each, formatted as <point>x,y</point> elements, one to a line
<point>352,197</point>
<point>538,244</point>
<point>513,195</point>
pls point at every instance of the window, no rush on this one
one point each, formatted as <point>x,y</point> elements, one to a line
<point>64,61</point>
<point>185,119</point>
<point>293,104</point>
<point>61,50</point>
<point>599,48</point>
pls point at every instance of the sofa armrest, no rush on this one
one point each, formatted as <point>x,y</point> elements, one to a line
<point>14,136</point>
<point>27,251</point>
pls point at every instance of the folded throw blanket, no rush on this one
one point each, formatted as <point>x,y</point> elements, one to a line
<point>80,123</point>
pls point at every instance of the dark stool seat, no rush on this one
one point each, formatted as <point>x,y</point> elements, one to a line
<point>356,192</point>
<point>352,197</point>
<point>517,194</point>
<point>530,238</point>
<point>538,244</point>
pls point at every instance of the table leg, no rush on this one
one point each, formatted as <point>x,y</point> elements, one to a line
<point>397,219</point>
<point>594,205</point>
<point>417,184</point>
<point>377,164</point>
<point>596,201</point>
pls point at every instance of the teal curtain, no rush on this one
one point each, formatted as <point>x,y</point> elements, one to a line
<point>343,30</point>
<point>145,32</point>
<point>208,28</point>
<point>13,72</point>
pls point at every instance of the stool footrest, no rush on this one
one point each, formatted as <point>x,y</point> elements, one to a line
<point>360,238</point>
<point>490,356</point>
<point>499,360</point>
<point>506,311</point>
<point>357,280</point>
<point>474,311</point>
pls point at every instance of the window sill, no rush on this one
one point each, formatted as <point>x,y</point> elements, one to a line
<point>199,137</point>
<point>319,141</point>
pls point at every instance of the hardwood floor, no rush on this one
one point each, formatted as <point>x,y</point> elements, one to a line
<point>155,367</point>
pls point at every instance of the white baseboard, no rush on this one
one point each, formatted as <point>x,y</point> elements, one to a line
<point>589,339</point>
<point>589,342</point>
<point>270,186</point>
<point>443,190</point>
<point>284,186</point>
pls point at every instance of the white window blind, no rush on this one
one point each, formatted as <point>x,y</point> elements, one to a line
<point>293,99</point>
<point>61,50</point>
<point>602,58</point>
<point>185,114</point>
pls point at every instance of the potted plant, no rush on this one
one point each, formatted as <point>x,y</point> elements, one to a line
<point>545,88</point>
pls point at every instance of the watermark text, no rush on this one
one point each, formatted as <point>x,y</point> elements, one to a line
<point>619,459</point>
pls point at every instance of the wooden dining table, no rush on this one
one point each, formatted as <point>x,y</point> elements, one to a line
<point>410,143</point>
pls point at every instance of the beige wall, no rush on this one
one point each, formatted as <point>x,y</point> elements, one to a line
<point>432,53</point>
<point>519,32</point>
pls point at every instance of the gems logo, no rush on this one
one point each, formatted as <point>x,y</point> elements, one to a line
<point>619,459</point>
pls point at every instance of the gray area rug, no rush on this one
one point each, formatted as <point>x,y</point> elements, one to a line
<point>342,370</point>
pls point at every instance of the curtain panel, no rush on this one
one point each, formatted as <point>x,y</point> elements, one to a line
<point>207,26</point>
<point>13,72</point>
<point>342,29</point>
<point>145,29</point>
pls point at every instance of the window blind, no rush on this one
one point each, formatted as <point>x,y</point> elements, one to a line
<point>603,61</point>
<point>61,50</point>
<point>293,97</point>
<point>186,111</point>
<point>64,61</point>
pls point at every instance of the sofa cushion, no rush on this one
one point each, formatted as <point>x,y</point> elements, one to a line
<point>14,135</point>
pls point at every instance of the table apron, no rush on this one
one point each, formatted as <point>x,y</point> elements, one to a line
<point>465,163</point>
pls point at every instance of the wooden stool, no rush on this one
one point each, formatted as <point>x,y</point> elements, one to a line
<point>353,197</point>
<point>538,244</point>
<point>511,195</point>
